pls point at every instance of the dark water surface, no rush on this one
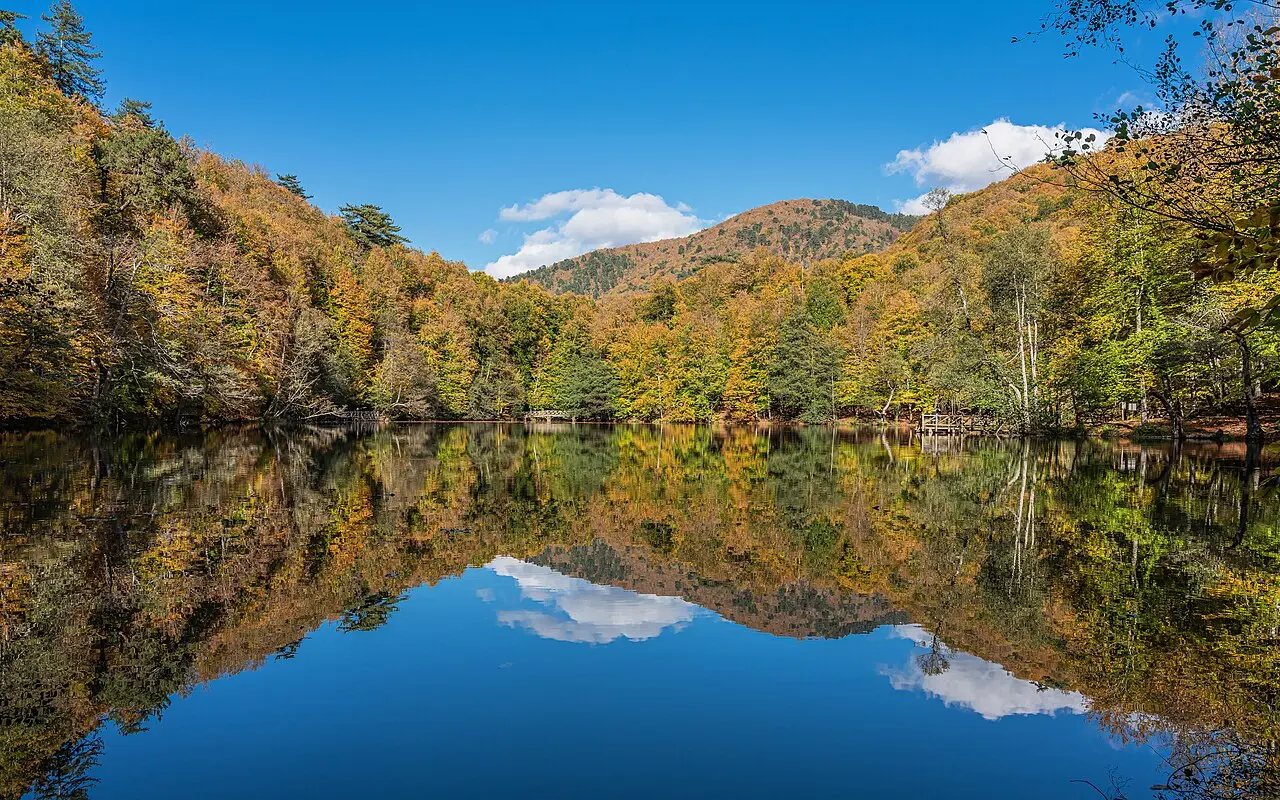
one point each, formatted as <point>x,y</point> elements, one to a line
<point>489,610</point>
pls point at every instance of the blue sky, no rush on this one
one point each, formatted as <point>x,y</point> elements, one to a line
<point>446,113</point>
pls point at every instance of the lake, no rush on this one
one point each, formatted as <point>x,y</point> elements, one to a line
<point>480,610</point>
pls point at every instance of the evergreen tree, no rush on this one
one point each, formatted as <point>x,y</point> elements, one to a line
<point>791,374</point>
<point>587,388</point>
<point>9,33</point>
<point>143,170</point>
<point>68,49</point>
<point>804,370</point>
<point>136,109</point>
<point>370,226</point>
<point>290,182</point>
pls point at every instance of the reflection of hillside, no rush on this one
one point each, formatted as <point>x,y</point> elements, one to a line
<point>576,610</point>
<point>965,680</point>
<point>798,610</point>
<point>131,569</point>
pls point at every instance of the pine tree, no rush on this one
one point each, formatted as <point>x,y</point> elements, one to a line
<point>136,109</point>
<point>9,33</point>
<point>804,371</point>
<point>291,183</point>
<point>370,226</point>
<point>588,388</point>
<point>68,49</point>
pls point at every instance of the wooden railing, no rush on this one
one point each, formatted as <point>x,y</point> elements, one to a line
<point>548,414</point>
<point>359,415</point>
<point>958,423</point>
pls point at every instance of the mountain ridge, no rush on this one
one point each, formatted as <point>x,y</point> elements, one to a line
<point>803,231</point>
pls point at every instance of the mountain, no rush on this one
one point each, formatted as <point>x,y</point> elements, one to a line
<point>801,231</point>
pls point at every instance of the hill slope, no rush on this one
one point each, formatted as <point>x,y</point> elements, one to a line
<point>801,231</point>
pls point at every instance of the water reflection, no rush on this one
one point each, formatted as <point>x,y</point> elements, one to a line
<point>585,612</point>
<point>962,680</point>
<point>1139,584</point>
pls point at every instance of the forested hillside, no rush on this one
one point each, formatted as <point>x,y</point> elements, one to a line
<point>1032,301</point>
<point>144,279</point>
<point>141,278</point>
<point>801,231</point>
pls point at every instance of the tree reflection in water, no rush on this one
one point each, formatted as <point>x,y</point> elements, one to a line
<point>1141,580</point>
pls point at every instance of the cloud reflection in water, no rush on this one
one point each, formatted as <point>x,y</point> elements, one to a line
<point>978,685</point>
<point>581,611</point>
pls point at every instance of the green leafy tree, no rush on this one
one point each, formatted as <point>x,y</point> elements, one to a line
<point>67,774</point>
<point>496,392</point>
<point>68,50</point>
<point>823,302</point>
<point>1210,160</point>
<point>38,369</point>
<point>746,388</point>
<point>370,612</point>
<point>1018,273</point>
<point>661,305</point>
<point>370,226</point>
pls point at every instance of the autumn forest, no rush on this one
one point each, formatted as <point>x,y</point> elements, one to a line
<point>291,503</point>
<point>145,279</point>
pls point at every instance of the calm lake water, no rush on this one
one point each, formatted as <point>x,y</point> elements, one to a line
<point>487,610</point>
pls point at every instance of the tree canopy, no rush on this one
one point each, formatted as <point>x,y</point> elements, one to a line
<point>67,47</point>
<point>291,183</point>
<point>9,33</point>
<point>370,226</point>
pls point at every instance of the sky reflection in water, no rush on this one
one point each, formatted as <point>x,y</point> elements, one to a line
<point>491,610</point>
<point>482,680</point>
<point>581,611</point>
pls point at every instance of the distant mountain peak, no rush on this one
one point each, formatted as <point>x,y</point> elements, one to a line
<point>802,231</point>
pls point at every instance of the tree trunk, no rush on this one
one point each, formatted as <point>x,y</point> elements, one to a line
<point>1172,411</point>
<point>1247,478</point>
<point>1022,360</point>
<point>1253,426</point>
<point>884,412</point>
<point>1142,385</point>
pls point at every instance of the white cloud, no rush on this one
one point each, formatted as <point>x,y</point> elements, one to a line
<point>981,686</point>
<point>596,218</point>
<point>968,161</point>
<point>488,237</point>
<point>584,612</point>
<point>1128,100</point>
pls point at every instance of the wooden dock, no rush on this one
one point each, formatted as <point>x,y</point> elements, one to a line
<point>959,424</point>
<point>358,415</point>
<point>548,415</point>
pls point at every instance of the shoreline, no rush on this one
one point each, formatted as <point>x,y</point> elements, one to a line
<point>1155,432</point>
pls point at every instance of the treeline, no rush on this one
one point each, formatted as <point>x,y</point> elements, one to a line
<point>141,278</point>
